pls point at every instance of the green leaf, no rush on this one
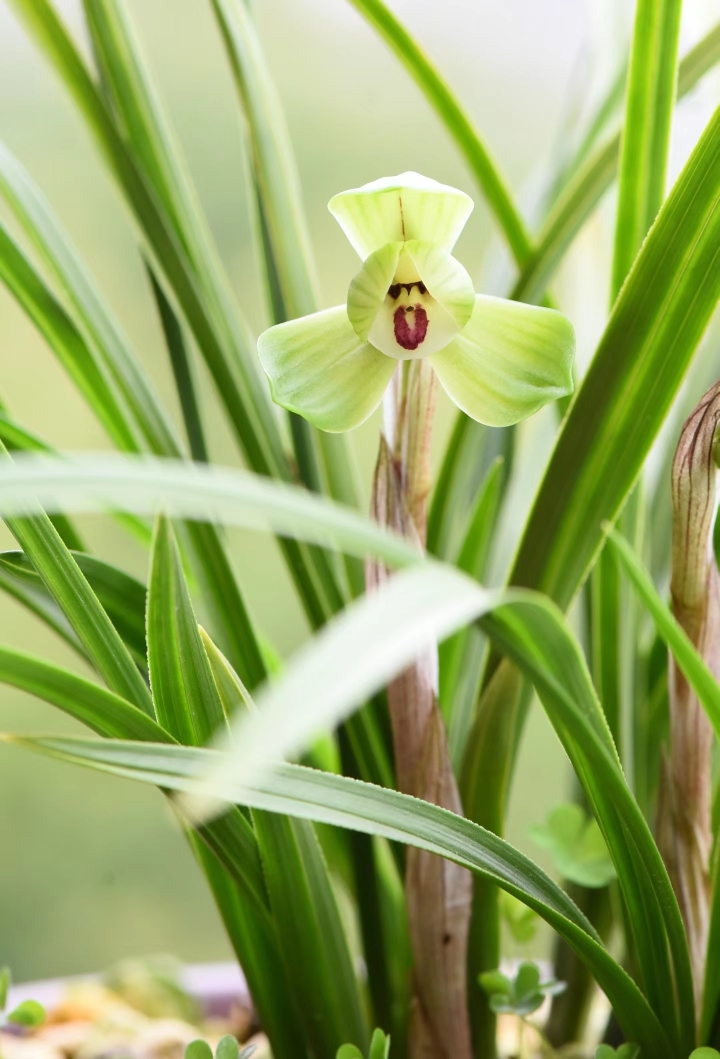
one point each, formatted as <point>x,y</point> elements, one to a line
<point>29,1014</point>
<point>273,162</point>
<point>351,803</point>
<point>458,124</point>
<point>17,438</point>
<point>705,1053</point>
<point>495,982</point>
<point>198,1050</point>
<point>379,1045</point>
<point>79,360</point>
<point>182,372</point>
<point>625,1051</point>
<point>186,699</point>
<point>227,1048</point>
<point>349,1051</point>
<point>67,585</point>
<point>145,485</point>
<point>638,367</point>
<point>521,921</point>
<point>5,983</point>
<point>652,80</point>
<point>90,313</point>
<point>686,655</point>
<point>461,656</point>
<point>102,710</point>
<point>576,845</point>
<point>588,185</point>
<point>122,596</point>
<point>40,603</point>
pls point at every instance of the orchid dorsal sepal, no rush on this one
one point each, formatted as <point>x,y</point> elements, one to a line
<point>498,360</point>
<point>401,208</point>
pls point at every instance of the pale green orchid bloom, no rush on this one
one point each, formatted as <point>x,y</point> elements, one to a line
<point>498,360</point>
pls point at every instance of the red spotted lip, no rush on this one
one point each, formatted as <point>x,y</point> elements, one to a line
<point>411,324</point>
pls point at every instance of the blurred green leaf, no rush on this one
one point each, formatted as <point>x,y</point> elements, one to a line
<point>521,995</point>
<point>652,84</point>
<point>625,1051</point>
<point>90,312</point>
<point>5,983</point>
<point>588,184</point>
<point>455,120</point>
<point>686,655</point>
<point>145,485</point>
<point>79,360</point>
<point>521,921</point>
<point>123,597</point>
<point>352,803</point>
<point>641,360</point>
<point>227,1048</point>
<point>198,1050</point>
<point>67,585</point>
<point>29,1014</point>
<point>576,845</point>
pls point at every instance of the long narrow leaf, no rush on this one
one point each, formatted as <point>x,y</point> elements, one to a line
<point>456,121</point>
<point>350,803</point>
<point>652,80</point>
<point>66,342</point>
<point>588,185</point>
<point>638,367</point>
<point>145,485</point>
<point>686,654</point>
<point>92,314</point>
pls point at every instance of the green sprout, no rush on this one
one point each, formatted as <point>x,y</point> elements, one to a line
<point>576,845</point>
<point>521,995</point>
<point>227,1048</point>
<point>28,1013</point>
<point>498,360</point>
<point>379,1048</point>
<point>627,1051</point>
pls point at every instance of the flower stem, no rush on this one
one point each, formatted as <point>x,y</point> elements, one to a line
<point>439,893</point>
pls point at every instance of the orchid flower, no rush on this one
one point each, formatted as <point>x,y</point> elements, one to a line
<point>498,360</point>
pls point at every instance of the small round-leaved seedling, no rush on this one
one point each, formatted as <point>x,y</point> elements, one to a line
<point>625,1051</point>
<point>379,1048</point>
<point>705,1053</point>
<point>29,1014</point>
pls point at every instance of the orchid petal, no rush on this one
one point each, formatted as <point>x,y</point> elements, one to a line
<point>397,209</point>
<point>319,368</point>
<point>445,278</point>
<point>508,362</point>
<point>369,288</point>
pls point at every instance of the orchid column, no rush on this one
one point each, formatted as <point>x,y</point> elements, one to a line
<point>412,316</point>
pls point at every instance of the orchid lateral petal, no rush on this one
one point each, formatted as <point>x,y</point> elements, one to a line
<point>445,278</point>
<point>319,368</point>
<point>369,287</point>
<point>508,362</point>
<point>396,209</point>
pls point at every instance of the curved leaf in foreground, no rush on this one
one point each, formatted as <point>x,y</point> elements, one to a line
<point>321,796</point>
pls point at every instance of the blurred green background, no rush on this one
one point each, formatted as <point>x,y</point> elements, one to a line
<point>94,869</point>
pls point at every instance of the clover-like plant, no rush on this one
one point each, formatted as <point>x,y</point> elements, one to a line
<point>521,995</point>
<point>28,1013</point>
<point>498,360</point>
<point>379,1048</point>
<point>630,1051</point>
<point>226,1048</point>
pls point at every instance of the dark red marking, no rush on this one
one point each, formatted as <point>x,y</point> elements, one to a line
<point>395,290</point>
<point>409,335</point>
